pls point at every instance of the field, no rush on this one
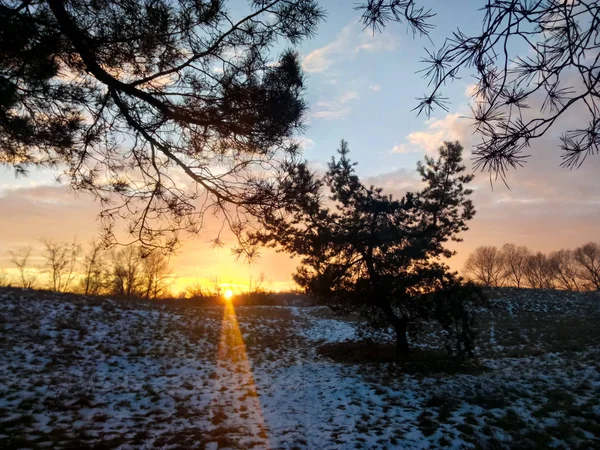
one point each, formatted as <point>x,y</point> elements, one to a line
<point>82,373</point>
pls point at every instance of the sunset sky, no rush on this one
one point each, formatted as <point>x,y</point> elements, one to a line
<point>360,88</point>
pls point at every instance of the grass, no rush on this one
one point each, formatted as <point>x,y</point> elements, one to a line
<point>417,361</point>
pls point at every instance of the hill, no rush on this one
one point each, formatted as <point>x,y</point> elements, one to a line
<point>82,372</point>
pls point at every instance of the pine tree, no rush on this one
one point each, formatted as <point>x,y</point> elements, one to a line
<point>367,252</point>
<point>162,109</point>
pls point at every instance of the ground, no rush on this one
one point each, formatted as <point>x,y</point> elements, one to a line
<point>80,372</point>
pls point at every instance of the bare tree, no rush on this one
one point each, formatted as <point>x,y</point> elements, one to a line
<point>564,268</point>
<point>94,277</point>
<point>486,266</point>
<point>20,258</point>
<point>515,263</point>
<point>5,280</point>
<point>538,273</point>
<point>216,288</point>
<point>196,290</point>
<point>526,51</point>
<point>60,261</point>
<point>155,268</point>
<point>126,276</point>
<point>588,261</point>
<point>256,286</point>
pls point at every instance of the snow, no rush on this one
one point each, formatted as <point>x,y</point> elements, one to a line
<point>323,330</point>
<point>133,375</point>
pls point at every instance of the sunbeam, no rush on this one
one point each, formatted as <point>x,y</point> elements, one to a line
<point>236,398</point>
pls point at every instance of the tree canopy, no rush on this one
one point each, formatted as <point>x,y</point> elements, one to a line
<point>367,252</point>
<point>534,61</point>
<point>569,269</point>
<point>164,110</point>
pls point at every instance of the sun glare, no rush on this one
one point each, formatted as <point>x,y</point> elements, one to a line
<point>228,294</point>
<point>234,385</point>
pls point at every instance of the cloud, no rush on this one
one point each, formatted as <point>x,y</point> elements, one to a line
<point>397,182</point>
<point>33,212</point>
<point>320,59</point>
<point>403,148</point>
<point>305,143</point>
<point>374,87</point>
<point>351,41</point>
<point>378,42</point>
<point>336,107</point>
<point>470,91</point>
<point>450,128</point>
<point>546,208</point>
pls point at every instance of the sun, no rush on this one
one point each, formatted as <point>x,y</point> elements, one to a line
<point>228,294</point>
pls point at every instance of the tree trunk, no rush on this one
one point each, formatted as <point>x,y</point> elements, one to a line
<point>400,325</point>
<point>401,340</point>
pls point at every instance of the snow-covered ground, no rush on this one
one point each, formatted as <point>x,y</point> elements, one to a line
<point>93,373</point>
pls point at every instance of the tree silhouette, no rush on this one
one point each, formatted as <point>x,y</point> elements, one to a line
<point>20,258</point>
<point>564,268</point>
<point>164,110</point>
<point>533,61</point>
<point>571,270</point>
<point>126,272</point>
<point>539,271</point>
<point>486,265</point>
<point>60,259</point>
<point>588,259</point>
<point>155,268</point>
<point>514,259</point>
<point>94,269</point>
<point>364,251</point>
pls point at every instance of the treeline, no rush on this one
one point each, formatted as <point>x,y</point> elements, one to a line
<point>91,270</point>
<point>125,272</point>
<point>569,269</point>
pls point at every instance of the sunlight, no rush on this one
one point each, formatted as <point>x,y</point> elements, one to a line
<point>234,388</point>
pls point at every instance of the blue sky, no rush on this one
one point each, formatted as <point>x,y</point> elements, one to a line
<point>370,83</point>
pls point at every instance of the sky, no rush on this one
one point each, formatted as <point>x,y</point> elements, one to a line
<point>361,87</point>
